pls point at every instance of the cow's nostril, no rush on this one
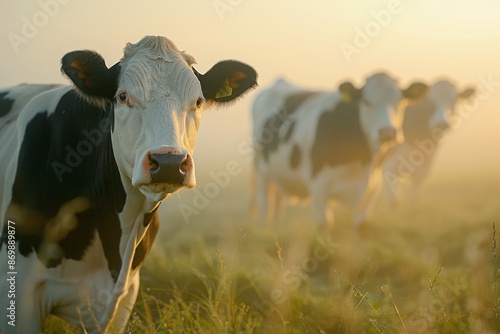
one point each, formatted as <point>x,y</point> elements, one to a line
<point>153,163</point>
<point>186,165</point>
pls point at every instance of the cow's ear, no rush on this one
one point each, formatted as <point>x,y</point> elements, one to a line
<point>90,75</point>
<point>349,93</point>
<point>226,81</point>
<point>467,93</point>
<point>415,91</point>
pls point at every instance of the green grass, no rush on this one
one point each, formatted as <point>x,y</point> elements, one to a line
<point>424,267</point>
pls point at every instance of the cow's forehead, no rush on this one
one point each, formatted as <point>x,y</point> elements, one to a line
<point>154,66</point>
<point>443,92</point>
<point>150,79</point>
<point>156,47</point>
<point>380,88</point>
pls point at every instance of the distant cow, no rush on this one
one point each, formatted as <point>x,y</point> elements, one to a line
<point>325,145</point>
<point>83,171</point>
<point>425,122</point>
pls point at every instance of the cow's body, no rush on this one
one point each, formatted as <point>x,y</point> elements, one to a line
<point>323,145</point>
<point>83,173</point>
<point>424,124</point>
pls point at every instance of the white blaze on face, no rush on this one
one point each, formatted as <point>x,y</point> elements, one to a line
<point>158,110</point>
<point>443,95</point>
<point>379,109</point>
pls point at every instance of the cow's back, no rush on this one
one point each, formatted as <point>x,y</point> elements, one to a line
<point>269,102</point>
<point>18,105</point>
<point>14,99</point>
<point>285,119</point>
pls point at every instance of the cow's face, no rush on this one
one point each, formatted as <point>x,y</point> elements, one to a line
<point>444,96</point>
<point>380,113</point>
<point>378,108</point>
<point>158,100</point>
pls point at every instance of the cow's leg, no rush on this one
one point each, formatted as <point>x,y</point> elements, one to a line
<point>319,202</point>
<point>278,203</point>
<point>391,183</point>
<point>262,195</point>
<point>24,318</point>
<point>362,214</point>
<point>125,308</point>
<point>366,206</point>
<point>419,177</point>
<point>21,293</point>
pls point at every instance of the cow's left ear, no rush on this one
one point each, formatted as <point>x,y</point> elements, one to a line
<point>349,93</point>
<point>90,75</point>
<point>467,93</point>
<point>415,91</point>
<point>226,81</point>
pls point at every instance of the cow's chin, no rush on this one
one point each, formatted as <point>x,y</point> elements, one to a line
<point>158,192</point>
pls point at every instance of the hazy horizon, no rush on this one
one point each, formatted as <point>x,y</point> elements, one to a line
<point>314,46</point>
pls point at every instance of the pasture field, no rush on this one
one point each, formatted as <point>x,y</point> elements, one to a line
<point>430,266</point>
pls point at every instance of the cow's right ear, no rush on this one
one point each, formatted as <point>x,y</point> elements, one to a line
<point>467,93</point>
<point>90,75</point>
<point>226,81</point>
<point>349,92</point>
<point>415,91</point>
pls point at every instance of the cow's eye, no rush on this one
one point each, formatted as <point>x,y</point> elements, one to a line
<point>123,98</point>
<point>199,102</point>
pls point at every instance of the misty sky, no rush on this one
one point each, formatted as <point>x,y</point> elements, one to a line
<point>316,45</point>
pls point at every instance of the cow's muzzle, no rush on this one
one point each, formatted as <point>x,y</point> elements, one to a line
<point>164,170</point>
<point>172,168</point>
<point>387,133</point>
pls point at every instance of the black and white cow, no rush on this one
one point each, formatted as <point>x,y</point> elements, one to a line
<point>325,145</point>
<point>83,170</point>
<point>424,124</point>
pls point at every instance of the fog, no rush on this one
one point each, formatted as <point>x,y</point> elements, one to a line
<point>314,46</point>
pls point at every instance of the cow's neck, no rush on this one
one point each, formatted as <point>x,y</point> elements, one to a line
<point>135,219</point>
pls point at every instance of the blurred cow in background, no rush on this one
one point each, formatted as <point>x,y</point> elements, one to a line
<point>424,124</point>
<point>326,145</point>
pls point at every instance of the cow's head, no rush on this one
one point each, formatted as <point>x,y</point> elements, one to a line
<point>158,100</point>
<point>442,98</point>
<point>380,113</point>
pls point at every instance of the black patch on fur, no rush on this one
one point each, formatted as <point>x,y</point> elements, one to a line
<point>88,71</point>
<point>148,217</point>
<point>269,138</point>
<point>6,104</point>
<point>416,121</point>
<point>339,138</point>
<point>295,156</point>
<point>38,188</point>
<point>289,131</point>
<point>146,243</point>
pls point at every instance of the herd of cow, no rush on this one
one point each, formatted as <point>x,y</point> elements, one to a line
<point>345,144</point>
<point>83,169</point>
